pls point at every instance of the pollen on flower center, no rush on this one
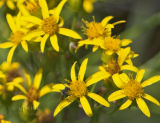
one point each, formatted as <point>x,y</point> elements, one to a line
<point>32,95</point>
<point>49,25</point>
<point>94,30</point>
<point>77,88</point>
<point>112,44</point>
<point>133,89</point>
<point>16,37</point>
<point>113,67</point>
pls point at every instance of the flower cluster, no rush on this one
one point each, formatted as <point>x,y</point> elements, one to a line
<point>29,26</point>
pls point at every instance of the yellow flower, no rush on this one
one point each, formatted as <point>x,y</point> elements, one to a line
<point>34,93</point>
<point>88,5</point>
<point>17,37</point>
<point>115,66</point>
<point>9,3</point>
<point>2,119</point>
<point>28,7</point>
<point>77,89</point>
<point>133,90</point>
<point>99,32</point>
<point>9,75</point>
<point>50,25</point>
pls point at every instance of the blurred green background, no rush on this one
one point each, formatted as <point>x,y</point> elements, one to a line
<point>143,27</point>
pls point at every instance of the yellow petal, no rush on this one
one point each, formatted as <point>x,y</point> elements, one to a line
<point>33,34</point>
<point>99,99</point>
<point>58,9</point>
<point>45,90</point>
<point>126,42</point>
<point>1,3</point>
<point>37,79</point>
<point>126,104</point>
<point>43,42</point>
<point>59,86</point>
<point>20,87</point>
<point>117,80</point>
<point>69,33</point>
<point>129,67</point>
<point>24,45</point>
<point>82,69</point>
<point>73,73</point>
<point>10,4</point>
<point>88,6</point>
<point>44,8</point>
<point>32,19</point>
<point>10,54</point>
<point>94,48</point>
<point>11,23</point>
<point>124,77</point>
<point>151,81</point>
<point>98,76</point>
<point>35,104</point>
<point>54,42</point>
<point>116,95</point>
<point>23,10</point>
<point>105,21</point>
<point>119,22</point>
<point>19,97</point>
<point>86,106</point>
<point>6,45</point>
<point>122,55</point>
<point>140,75</point>
<point>143,106</point>
<point>64,103</point>
<point>152,99</point>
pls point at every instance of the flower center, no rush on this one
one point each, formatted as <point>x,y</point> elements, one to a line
<point>113,67</point>
<point>49,25</point>
<point>12,75</point>
<point>31,6</point>
<point>133,89</point>
<point>32,95</point>
<point>77,89</point>
<point>16,37</point>
<point>112,44</point>
<point>94,30</point>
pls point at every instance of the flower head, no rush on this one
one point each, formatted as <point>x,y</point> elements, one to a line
<point>17,37</point>
<point>132,89</point>
<point>78,90</point>
<point>33,92</point>
<point>50,25</point>
<point>99,34</point>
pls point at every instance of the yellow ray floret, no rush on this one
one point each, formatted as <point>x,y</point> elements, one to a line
<point>132,89</point>
<point>88,5</point>
<point>9,3</point>
<point>78,90</point>
<point>50,25</point>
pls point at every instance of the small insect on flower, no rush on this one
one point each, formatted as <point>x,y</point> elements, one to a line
<point>115,66</point>
<point>98,32</point>
<point>77,89</point>
<point>33,92</point>
<point>9,3</point>
<point>50,25</point>
<point>132,89</point>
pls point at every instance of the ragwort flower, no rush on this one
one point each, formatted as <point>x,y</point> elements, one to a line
<point>78,90</point>
<point>17,37</point>
<point>50,25</point>
<point>99,34</point>
<point>132,89</point>
<point>34,93</point>
<point>114,66</point>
